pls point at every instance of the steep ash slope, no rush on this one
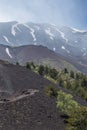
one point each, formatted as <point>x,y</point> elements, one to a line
<point>36,112</point>
<point>23,103</point>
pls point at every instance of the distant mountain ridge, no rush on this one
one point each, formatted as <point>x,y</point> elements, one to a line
<point>31,53</point>
<point>25,96</point>
<point>69,42</point>
<point>39,55</point>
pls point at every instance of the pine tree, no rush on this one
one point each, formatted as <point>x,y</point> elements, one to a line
<point>41,70</point>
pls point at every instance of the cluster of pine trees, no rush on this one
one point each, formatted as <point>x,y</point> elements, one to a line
<point>73,81</point>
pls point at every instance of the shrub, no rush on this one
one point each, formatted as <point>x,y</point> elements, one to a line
<point>17,63</point>
<point>68,85</point>
<point>41,70</point>
<point>71,74</point>
<point>46,70</point>
<point>65,70</point>
<point>53,73</point>
<point>51,91</point>
<point>60,82</point>
<point>77,114</point>
<point>84,81</point>
<point>80,91</point>
<point>28,66</point>
<point>66,103</point>
<point>78,121</point>
<point>32,65</point>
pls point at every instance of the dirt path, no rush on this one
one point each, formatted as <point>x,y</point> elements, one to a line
<point>23,94</point>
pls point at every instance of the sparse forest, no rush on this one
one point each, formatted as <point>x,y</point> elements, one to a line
<point>76,82</point>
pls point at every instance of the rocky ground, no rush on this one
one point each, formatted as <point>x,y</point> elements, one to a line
<point>33,112</point>
<point>23,103</point>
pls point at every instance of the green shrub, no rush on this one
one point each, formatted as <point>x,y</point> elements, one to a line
<point>46,70</point>
<point>28,65</point>
<point>66,103</point>
<point>77,114</point>
<point>80,91</point>
<point>17,63</point>
<point>41,70</point>
<point>65,70</point>
<point>78,120</point>
<point>60,82</point>
<point>53,73</point>
<point>32,65</point>
<point>72,74</point>
<point>51,91</point>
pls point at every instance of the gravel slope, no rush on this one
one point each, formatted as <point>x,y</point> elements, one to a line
<point>23,104</point>
<point>36,112</point>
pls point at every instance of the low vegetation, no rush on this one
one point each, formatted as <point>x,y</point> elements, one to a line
<point>75,115</point>
<point>75,82</point>
<point>51,91</point>
<point>66,103</point>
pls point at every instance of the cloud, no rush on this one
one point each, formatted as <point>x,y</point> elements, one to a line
<point>14,11</point>
<point>66,12</point>
<point>35,10</point>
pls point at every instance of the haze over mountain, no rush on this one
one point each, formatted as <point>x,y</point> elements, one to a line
<point>66,41</point>
<point>64,12</point>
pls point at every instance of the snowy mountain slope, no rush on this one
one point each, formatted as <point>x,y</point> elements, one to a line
<point>69,42</point>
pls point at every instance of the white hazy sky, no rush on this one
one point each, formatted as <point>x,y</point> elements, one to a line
<point>67,12</point>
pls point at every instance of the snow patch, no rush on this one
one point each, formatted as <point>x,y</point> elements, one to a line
<point>84,49</point>
<point>32,31</point>
<point>84,54</point>
<point>62,35</point>
<point>78,31</point>
<point>65,49</point>
<point>7,51</point>
<point>54,49</point>
<point>76,41</point>
<point>6,39</point>
<point>48,32</point>
<point>13,29</point>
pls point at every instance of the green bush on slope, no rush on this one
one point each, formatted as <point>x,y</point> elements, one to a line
<point>66,103</point>
<point>77,114</point>
<point>51,91</point>
<point>75,82</point>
